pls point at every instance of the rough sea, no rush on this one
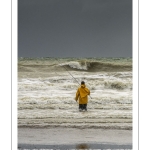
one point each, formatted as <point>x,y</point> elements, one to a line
<point>47,87</point>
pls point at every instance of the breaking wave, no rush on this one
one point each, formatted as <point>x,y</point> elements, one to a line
<point>96,66</point>
<point>118,85</point>
<point>90,65</point>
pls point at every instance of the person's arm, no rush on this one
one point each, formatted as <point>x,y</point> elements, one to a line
<point>77,95</point>
<point>88,91</point>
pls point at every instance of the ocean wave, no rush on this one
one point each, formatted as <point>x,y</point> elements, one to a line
<point>98,100</point>
<point>69,107</point>
<point>118,85</point>
<point>95,66</point>
<point>118,126</point>
<point>91,65</point>
<point>106,119</point>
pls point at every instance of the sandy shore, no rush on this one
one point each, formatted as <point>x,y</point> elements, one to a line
<point>73,138</point>
<point>90,146</point>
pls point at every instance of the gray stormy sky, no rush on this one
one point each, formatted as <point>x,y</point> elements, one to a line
<point>75,28</point>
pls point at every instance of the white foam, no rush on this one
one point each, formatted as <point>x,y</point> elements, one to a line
<point>76,65</point>
<point>54,98</point>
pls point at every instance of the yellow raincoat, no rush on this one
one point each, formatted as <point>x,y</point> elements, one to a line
<point>82,93</point>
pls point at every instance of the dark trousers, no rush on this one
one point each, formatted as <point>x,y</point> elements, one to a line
<point>83,106</point>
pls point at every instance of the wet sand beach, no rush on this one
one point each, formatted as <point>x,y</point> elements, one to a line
<point>73,138</point>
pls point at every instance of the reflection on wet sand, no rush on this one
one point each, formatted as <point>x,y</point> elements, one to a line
<point>82,146</point>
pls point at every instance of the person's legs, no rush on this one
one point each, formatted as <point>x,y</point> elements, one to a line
<point>85,107</point>
<point>80,107</point>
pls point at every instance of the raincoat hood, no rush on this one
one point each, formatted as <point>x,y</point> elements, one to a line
<point>83,91</point>
<point>82,85</point>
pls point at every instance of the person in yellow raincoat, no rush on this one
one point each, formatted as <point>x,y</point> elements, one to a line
<point>82,95</point>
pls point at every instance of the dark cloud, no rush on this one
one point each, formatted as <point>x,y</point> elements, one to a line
<point>74,28</point>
